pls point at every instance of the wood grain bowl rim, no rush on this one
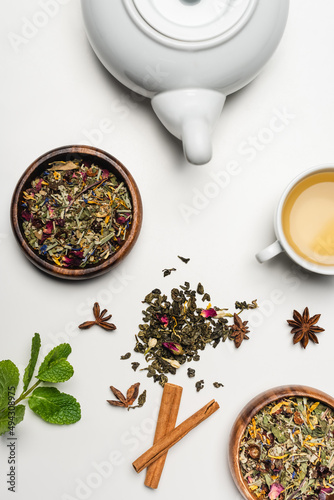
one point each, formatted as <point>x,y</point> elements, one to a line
<point>250,410</point>
<point>109,162</point>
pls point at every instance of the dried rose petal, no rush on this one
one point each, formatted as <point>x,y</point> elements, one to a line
<point>208,313</point>
<point>275,490</point>
<point>121,219</point>
<point>48,227</point>
<point>38,186</point>
<point>163,318</point>
<point>26,215</point>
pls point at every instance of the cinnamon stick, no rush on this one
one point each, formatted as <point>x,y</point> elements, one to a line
<point>169,408</point>
<point>172,437</point>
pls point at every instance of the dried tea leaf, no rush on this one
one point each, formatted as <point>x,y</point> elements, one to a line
<point>184,259</point>
<point>135,365</point>
<point>167,272</point>
<point>126,356</point>
<point>141,401</point>
<point>175,329</point>
<point>199,385</point>
<point>217,385</point>
<point>64,166</point>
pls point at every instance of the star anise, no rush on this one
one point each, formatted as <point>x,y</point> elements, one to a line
<point>131,396</point>
<point>304,328</point>
<point>100,319</point>
<point>239,330</point>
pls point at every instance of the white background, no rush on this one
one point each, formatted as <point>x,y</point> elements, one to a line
<point>54,92</point>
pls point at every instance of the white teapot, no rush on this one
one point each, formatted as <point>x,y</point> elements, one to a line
<point>186,55</point>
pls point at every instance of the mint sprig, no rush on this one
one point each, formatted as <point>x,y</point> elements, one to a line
<point>48,403</point>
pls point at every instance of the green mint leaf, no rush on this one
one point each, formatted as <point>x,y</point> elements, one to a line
<point>62,351</point>
<point>29,371</point>
<point>9,379</point>
<point>55,368</point>
<point>59,371</point>
<point>54,406</point>
<point>10,418</point>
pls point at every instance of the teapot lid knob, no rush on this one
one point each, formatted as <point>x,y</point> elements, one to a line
<point>194,20</point>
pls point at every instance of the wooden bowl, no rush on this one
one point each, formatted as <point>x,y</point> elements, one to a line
<point>106,161</point>
<point>250,410</point>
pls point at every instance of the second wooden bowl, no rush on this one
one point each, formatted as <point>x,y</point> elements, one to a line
<point>250,410</point>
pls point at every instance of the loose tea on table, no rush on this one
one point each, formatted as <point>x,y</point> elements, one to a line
<point>76,214</point>
<point>287,451</point>
<point>174,331</point>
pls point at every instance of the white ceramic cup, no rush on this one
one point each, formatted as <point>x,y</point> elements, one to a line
<point>281,244</point>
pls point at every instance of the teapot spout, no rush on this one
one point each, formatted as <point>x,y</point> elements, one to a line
<point>191,115</point>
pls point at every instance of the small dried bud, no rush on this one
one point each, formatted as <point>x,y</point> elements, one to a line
<point>173,347</point>
<point>152,343</point>
<point>172,362</point>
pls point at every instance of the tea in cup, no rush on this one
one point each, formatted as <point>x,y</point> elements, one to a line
<point>304,221</point>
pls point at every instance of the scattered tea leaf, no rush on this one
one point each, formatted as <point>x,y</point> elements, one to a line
<point>184,259</point>
<point>135,365</point>
<point>126,356</point>
<point>175,330</point>
<point>217,385</point>
<point>167,272</point>
<point>199,385</point>
<point>141,401</point>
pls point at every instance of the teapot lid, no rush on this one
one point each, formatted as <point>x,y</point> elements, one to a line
<point>194,20</point>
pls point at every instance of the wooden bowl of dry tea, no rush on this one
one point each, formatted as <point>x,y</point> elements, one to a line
<point>282,445</point>
<point>76,212</point>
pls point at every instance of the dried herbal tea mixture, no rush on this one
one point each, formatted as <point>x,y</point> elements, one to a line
<point>76,214</point>
<point>175,330</point>
<point>287,451</point>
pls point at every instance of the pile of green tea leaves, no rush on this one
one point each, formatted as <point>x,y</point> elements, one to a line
<point>76,214</point>
<point>287,451</point>
<point>47,402</point>
<point>175,330</point>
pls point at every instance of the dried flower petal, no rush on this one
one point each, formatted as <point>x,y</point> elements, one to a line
<point>209,313</point>
<point>163,319</point>
<point>275,490</point>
